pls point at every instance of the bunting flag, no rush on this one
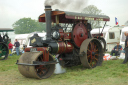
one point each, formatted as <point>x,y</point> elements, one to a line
<point>116,21</point>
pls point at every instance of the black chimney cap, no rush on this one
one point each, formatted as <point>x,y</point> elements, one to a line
<point>48,7</point>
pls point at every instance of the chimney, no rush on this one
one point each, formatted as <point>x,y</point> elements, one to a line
<point>48,22</point>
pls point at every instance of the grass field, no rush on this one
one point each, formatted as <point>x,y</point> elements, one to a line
<point>111,72</point>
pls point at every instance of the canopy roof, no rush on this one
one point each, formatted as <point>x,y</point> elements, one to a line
<point>5,29</point>
<point>68,17</point>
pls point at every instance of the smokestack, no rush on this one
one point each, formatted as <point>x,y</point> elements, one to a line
<point>48,22</point>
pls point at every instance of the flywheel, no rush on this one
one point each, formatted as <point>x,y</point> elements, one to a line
<point>93,53</point>
<point>79,34</point>
<point>35,71</point>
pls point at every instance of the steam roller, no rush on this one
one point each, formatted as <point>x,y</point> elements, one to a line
<point>69,40</point>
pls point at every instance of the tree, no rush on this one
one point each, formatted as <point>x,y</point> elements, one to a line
<point>27,25</point>
<point>126,23</point>
<point>91,9</point>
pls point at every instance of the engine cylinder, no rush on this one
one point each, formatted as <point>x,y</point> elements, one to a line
<point>61,47</point>
<point>64,47</point>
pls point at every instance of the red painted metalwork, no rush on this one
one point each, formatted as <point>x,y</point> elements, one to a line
<point>61,33</point>
<point>79,34</point>
<point>86,18</point>
<point>42,49</point>
<point>67,36</point>
<point>41,69</point>
<point>69,47</point>
<point>65,47</point>
<point>61,47</point>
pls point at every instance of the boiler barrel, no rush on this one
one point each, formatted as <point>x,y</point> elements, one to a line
<point>61,47</point>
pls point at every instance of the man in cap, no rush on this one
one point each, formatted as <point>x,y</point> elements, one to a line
<point>117,49</point>
<point>126,48</point>
<point>89,28</point>
<point>17,45</point>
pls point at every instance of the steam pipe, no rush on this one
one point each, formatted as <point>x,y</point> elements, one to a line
<point>48,22</point>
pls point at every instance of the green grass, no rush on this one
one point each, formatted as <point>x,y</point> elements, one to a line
<point>111,72</point>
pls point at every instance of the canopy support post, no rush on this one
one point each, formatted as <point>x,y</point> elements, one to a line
<point>99,28</point>
<point>103,27</point>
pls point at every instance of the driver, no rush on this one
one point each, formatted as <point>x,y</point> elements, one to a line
<point>89,28</point>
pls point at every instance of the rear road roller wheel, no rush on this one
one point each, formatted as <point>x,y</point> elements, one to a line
<point>93,53</point>
<point>37,71</point>
<point>3,51</point>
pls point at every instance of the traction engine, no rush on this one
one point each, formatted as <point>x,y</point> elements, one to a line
<point>68,38</point>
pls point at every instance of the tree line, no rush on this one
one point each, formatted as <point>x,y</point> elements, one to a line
<point>28,25</point>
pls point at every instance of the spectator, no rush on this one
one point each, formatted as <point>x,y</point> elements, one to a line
<point>117,49</point>
<point>17,45</point>
<point>126,41</point>
<point>126,49</point>
<point>10,46</point>
<point>89,28</point>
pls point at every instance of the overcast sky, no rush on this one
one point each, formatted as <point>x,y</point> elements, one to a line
<point>13,10</point>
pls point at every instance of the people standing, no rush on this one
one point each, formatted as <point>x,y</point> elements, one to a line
<point>10,46</point>
<point>126,49</point>
<point>17,45</point>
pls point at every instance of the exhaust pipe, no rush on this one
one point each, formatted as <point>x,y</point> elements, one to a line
<point>48,22</point>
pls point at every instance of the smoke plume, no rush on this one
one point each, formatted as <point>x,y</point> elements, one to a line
<point>67,5</point>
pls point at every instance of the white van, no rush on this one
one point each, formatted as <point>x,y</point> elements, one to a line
<point>110,34</point>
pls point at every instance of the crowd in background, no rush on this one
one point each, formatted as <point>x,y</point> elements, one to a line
<point>16,45</point>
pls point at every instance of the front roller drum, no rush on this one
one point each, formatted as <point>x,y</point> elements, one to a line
<point>35,71</point>
<point>91,53</point>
